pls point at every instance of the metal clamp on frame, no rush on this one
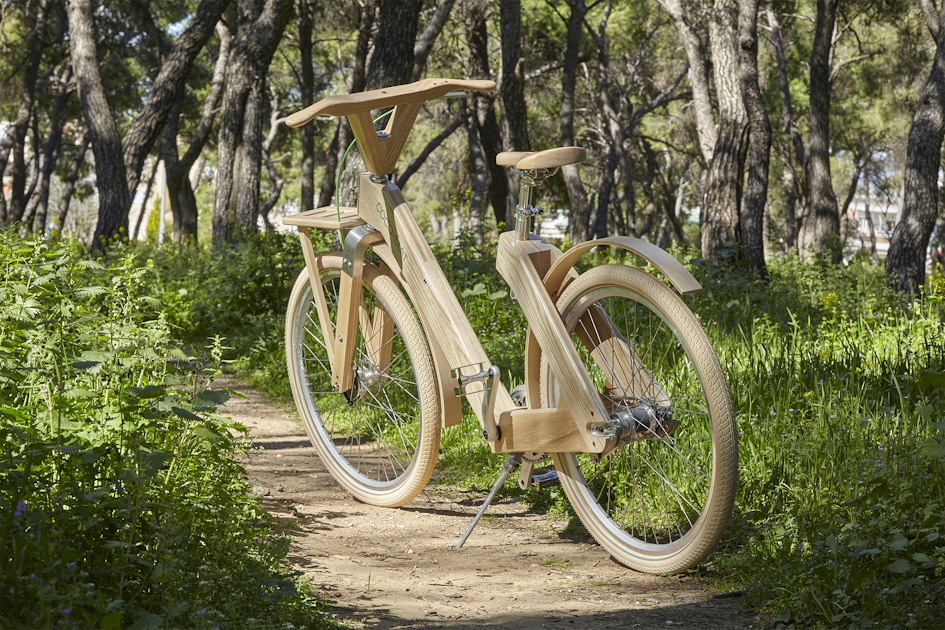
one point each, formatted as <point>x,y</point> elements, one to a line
<point>488,378</point>
<point>358,240</point>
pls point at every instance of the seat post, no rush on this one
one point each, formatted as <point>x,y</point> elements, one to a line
<point>524,211</point>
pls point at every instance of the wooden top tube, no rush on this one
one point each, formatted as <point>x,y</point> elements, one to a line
<point>380,149</point>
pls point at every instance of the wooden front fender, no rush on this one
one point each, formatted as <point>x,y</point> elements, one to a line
<point>562,271</point>
<point>679,276</point>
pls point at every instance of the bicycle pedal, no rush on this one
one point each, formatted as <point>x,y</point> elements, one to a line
<point>547,479</point>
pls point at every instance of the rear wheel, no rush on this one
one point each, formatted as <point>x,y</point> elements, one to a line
<point>380,439</point>
<point>661,498</point>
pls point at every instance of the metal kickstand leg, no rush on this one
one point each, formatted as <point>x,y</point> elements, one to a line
<point>510,465</point>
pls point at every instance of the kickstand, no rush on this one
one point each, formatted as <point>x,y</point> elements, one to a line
<point>511,463</point>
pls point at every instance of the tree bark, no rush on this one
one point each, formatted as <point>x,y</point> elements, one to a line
<point>307,178</point>
<point>421,50</point>
<point>110,172</point>
<point>487,128</point>
<point>721,207</point>
<point>698,58</point>
<point>820,229</point>
<point>16,135</point>
<point>51,152</point>
<point>275,124</point>
<point>259,30</point>
<point>615,137</point>
<point>136,230</point>
<point>68,188</point>
<point>512,91</point>
<point>579,218</point>
<point>478,179</point>
<point>168,88</point>
<point>393,60</point>
<point>791,149</point>
<point>759,139</point>
<point>512,84</point>
<point>905,262</point>
<point>177,169</point>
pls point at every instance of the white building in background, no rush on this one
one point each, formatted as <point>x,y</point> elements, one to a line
<point>552,225</point>
<point>883,217</point>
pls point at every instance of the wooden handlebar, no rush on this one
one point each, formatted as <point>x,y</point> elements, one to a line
<point>421,91</point>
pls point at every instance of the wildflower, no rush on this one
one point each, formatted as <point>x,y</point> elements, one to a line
<point>201,612</point>
<point>772,412</point>
<point>20,508</point>
<point>66,611</point>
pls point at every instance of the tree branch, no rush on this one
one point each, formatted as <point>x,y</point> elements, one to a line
<point>417,162</point>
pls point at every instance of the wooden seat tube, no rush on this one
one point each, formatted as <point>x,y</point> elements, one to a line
<point>357,242</point>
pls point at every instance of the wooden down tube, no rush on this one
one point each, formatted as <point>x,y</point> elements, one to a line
<point>562,429</point>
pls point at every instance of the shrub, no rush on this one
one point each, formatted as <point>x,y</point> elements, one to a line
<point>121,502</point>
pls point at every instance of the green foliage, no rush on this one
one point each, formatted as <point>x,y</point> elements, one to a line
<point>121,500</point>
<point>837,387</point>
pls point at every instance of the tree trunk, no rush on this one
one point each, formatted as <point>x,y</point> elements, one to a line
<point>259,30</point>
<point>791,149</point>
<point>59,222</point>
<point>168,88</point>
<point>759,139</point>
<point>177,186</point>
<point>512,91</point>
<point>16,135</point>
<point>905,262</point>
<point>579,218</point>
<point>612,124</point>
<point>275,124</point>
<point>51,152</point>
<point>177,170</point>
<point>721,204</point>
<point>820,229</point>
<point>307,178</point>
<point>698,58</point>
<point>478,178</point>
<point>136,230</point>
<point>250,170</point>
<point>393,59</point>
<point>110,173</point>
<point>343,136</point>
<point>490,137</point>
<point>512,85</point>
<point>421,50</point>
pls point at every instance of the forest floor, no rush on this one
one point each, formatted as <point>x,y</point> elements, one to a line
<point>388,569</point>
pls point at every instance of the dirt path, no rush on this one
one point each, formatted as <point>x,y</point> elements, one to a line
<point>388,569</point>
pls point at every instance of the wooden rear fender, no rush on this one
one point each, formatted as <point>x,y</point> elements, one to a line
<point>679,276</point>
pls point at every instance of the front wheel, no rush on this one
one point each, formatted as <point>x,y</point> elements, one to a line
<point>660,499</point>
<point>380,439</point>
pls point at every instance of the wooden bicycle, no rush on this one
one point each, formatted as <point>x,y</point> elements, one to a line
<point>624,393</point>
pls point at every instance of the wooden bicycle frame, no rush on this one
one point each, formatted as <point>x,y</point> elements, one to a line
<point>396,238</point>
<point>533,269</point>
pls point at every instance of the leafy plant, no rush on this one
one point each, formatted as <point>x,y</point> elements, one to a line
<point>121,500</point>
